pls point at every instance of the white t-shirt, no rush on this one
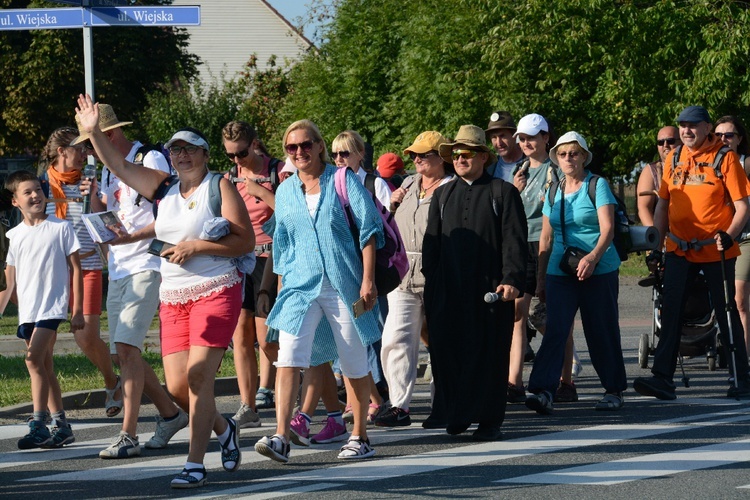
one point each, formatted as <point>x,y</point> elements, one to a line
<point>125,260</point>
<point>39,254</point>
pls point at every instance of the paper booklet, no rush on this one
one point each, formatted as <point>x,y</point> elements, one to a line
<point>102,226</point>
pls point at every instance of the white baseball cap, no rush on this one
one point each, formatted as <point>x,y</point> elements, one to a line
<point>531,125</point>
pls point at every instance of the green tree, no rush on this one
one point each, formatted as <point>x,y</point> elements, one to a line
<point>44,74</point>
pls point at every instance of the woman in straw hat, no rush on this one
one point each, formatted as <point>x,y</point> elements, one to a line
<point>63,163</point>
<point>201,290</point>
<point>588,281</point>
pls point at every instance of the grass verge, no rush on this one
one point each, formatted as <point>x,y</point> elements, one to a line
<point>75,373</point>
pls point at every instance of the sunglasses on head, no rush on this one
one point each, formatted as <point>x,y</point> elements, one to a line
<point>421,156</point>
<point>670,140</point>
<point>726,135</point>
<point>343,154</point>
<point>305,146</point>
<point>466,154</point>
<point>569,154</point>
<point>240,155</point>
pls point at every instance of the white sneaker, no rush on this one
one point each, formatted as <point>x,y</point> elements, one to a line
<point>246,417</point>
<point>124,446</point>
<point>165,430</point>
<point>356,449</point>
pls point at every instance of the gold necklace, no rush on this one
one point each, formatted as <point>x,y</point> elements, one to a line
<point>423,190</point>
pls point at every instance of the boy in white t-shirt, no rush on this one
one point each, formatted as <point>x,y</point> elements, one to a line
<point>42,255</point>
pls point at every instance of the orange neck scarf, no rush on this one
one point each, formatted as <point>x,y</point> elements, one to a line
<point>56,180</point>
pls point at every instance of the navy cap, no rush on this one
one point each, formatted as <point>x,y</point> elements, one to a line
<point>694,114</point>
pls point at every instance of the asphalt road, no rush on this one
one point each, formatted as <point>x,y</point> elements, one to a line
<point>695,447</point>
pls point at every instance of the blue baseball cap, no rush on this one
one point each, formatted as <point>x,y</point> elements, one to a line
<point>694,114</point>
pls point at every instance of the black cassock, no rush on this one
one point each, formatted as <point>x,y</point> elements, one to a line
<point>468,251</point>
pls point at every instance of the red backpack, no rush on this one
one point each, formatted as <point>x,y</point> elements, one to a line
<point>391,263</point>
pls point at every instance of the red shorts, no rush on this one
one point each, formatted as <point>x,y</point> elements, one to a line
<point>92,293</point>
<point>207,322</point>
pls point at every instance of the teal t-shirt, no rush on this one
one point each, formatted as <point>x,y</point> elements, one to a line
<point>581,225</point>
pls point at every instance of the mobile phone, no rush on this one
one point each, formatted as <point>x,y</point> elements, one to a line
<point>359,307</point>
<point>158,246</point>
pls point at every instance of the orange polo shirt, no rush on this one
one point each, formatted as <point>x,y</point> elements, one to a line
<point>701,204</point>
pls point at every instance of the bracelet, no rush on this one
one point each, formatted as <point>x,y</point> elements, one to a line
<point>263,292</point>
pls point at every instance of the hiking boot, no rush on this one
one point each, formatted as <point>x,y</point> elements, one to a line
<point>540,403</point>
<point>246,417</point>
<point>37,437</point>
<point>124,446</point>
<point>300,430</point>
<point>60,437</point>
<point>516,394</point>
<point>274,447</point>
<point>263,399</point>
<point>656,387</point>
<point>332,432</point>
<point>566,393</point>
<point>356,449</point>
<point>166,430</point>
<point>393,417</point>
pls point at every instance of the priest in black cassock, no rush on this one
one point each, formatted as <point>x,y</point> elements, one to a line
<point>475,244</point>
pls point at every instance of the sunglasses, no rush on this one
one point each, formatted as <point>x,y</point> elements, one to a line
<point>466,154</point>
<point>240,155</point>
<point>569,154</point>
<point>671,141</point>
<point>726,135</point>
<point>421,156</point>
<point>177,150</point>
<point>343,154</point>
<point>305,146</point>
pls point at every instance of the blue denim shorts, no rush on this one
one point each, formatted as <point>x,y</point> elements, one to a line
<point>26,329</point>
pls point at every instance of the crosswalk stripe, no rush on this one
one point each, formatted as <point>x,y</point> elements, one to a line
<point>644,466</point>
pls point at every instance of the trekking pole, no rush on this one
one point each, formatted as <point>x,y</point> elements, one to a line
<point>728,308</point>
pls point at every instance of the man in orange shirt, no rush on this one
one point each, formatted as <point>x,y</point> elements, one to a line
<point>700,214</point>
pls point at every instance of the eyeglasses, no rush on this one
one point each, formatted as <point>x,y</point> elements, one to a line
<point>177,150</point>
<point>726,135</point>
<point>343,154</point>
<point>305,146</point>
<point>466,154</point>
<point>421,156</point>
<point>240,155</point>
<point>669,140</point>
<point>569,154</point>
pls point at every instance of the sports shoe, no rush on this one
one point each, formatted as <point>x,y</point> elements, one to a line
<point>124,446</point>
<point>231,458</point>
<point>516,394</point>
<point>300,431</point>
<point>333,432</point>
<point>540,403</point>
<point>246,417</point>
<point>264,399</point>
<point>274,447</point>
<point>60,437</point>
<point>356,448</point>
<point>37,437</point>
<point>566,393</point>
<point>166,430</point>
<point>656,387</point>
<point>393,417</point>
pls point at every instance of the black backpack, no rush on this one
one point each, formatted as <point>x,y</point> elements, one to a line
<point>622,240</point>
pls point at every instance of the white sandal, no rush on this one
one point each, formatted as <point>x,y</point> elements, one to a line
<point>113,407</point>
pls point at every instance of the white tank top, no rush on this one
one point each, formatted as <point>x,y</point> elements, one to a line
<point>181,219</point>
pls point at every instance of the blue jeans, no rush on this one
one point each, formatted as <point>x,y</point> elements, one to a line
<point>596,297</point>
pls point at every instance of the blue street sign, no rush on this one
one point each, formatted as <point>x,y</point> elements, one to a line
<point>32,19</point>
<point>146,16</point>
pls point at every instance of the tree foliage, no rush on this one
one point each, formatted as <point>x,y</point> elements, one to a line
<point>43,73</point>
<point>616,71</point>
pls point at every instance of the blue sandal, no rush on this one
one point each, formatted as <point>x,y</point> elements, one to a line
<point>184,480</point>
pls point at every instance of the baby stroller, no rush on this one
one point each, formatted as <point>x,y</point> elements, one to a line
<point>700,331</point>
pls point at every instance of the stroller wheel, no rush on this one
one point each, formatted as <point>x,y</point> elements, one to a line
<point>643,350</point>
